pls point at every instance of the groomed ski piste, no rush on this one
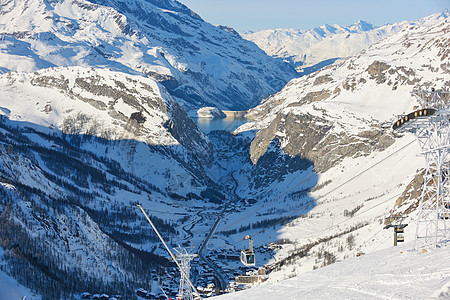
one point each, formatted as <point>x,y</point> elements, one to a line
<point>393,273</point>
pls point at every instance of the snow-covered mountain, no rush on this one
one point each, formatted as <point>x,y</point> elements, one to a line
<point>84,137</point>
<point>340,120</point>
<point>309,50</point>
<point>366,90</point>
<point>200,64</point>
<point>79,148</point>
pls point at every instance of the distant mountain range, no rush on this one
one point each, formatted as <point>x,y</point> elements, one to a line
<point>309,50</point>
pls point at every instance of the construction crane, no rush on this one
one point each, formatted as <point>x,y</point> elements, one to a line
<point>184,275</point>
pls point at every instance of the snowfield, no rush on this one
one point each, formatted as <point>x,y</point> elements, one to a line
<point>10,289</point>
<point>394,273</point>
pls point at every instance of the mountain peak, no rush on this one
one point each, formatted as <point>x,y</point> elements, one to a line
<point>361,25</point>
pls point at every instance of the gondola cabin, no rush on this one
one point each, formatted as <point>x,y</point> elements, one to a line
<point>248,255</point>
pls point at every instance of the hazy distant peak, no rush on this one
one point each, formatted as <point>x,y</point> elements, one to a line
<point>309,50</point>
<point>361,26</point>
<point>445,14</point>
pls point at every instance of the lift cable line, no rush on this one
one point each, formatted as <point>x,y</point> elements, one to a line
<point>334,225</point>
<point>431,126</point>
<point>320,197</point>
<point>443,212</point>
<point>182,270</point>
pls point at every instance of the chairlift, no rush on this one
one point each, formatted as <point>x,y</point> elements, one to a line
<point>248,255</point>
<point>445,215</point>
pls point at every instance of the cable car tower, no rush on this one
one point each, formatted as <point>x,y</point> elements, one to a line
<point>431,126</point>
<point>184,258</point>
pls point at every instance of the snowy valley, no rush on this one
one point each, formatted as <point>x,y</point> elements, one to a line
<point>95,99</point>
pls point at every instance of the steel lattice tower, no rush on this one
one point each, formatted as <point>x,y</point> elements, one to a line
<point>431,126</point>
<point>185,290</point>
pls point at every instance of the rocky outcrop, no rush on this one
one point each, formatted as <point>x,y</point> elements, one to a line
<point>376,71</point>
<point>410,198</point>
<point>186,132</point>
<point>313,138</point>
<point>274,164</point>
<point>210,112</point>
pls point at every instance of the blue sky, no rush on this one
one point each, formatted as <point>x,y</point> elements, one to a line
<point>307,14</point>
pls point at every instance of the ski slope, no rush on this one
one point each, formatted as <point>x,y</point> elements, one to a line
<point>10,289</point>
<point>394,273</point>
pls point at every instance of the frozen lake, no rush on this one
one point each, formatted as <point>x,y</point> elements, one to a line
<point>230,123</point>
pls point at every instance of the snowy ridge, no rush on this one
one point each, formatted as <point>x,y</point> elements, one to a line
<point>340,119</point>
<point>102,103</point>
<point>416,57</point>
<point>325,44</point>
<point>160,39</point>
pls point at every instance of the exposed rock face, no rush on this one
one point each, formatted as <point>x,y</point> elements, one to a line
<point>343,111</point>
<point>376,70</point>
<point>273,165</point>
<point>323,79</point>
<point>210,112</point>
<point>410,198</point>
<point>314,97</point>
<point>312,138</point>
